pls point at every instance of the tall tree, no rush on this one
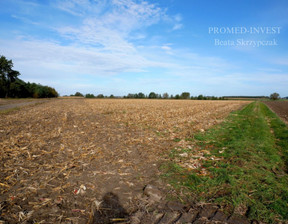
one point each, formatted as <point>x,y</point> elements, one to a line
<point>185,95</point>
<point>274,96</point>
<point>12,86</point>
<point>152,95</point>
<point>7,76</point>
<point>78,94</point>
<point>165,95</point>
<point>141,95</point>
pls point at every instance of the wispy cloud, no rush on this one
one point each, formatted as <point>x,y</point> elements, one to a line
<point>51,55</point>
<point>79,7</point>
<point>178,22</point>
<point>25,19</point>
<point>101,45</point>
<point>111,29</point>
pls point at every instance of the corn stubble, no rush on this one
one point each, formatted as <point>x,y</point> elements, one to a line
<point>60,157</point>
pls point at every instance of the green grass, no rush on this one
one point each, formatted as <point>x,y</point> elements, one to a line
<point>250,176</point>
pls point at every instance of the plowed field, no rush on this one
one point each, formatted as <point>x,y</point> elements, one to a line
<point>60,158</point>
<point>280,108</point>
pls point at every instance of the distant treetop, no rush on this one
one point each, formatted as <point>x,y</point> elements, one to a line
<point>274,96</point>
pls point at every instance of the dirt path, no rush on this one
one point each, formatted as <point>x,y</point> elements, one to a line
<point>12,103</point>
<point>66,161</point>
<point>280,108</point>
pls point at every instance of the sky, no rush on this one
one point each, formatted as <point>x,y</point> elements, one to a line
<point>219,48</point>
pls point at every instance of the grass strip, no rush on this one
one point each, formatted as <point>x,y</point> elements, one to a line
<point>244,169</point>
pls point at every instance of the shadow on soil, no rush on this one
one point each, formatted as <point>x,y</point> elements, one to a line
<point>156,209</point>
<point>110,211</point>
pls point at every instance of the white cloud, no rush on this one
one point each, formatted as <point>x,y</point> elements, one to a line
<point>52,56</point>
<point>143,12</point>
<point>111,30</point>
<point>80,7</point>
<point>178,18</point>
<point>177,26</point>
<point>167,48</point>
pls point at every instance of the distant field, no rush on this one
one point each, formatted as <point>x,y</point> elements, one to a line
<point>59,157</point>
<point>244,98</point>
<point>169,117</point>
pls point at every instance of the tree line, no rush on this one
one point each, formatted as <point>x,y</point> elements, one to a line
<point>12,86</point>
<point>90,95</point>
<point>152,95</point>
<point>183,95</point>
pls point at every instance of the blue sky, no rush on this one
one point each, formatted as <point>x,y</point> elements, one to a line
<point>130,46</point>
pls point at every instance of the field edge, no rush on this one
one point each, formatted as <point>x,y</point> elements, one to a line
<point>248,149</point>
